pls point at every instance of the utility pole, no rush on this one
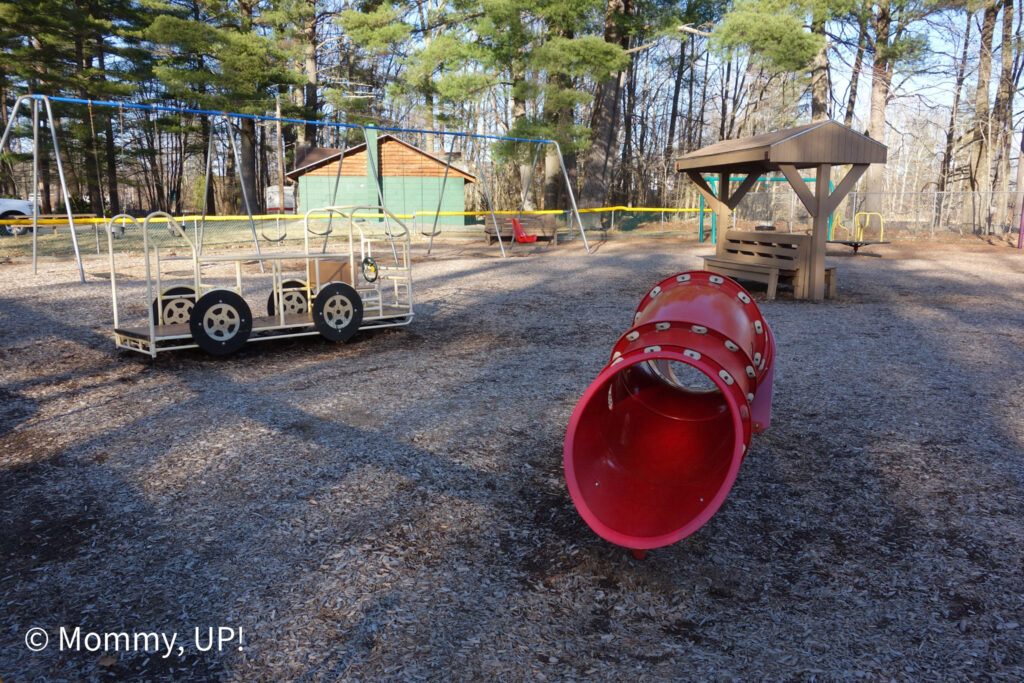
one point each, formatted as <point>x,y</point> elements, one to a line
<point>280,157</point>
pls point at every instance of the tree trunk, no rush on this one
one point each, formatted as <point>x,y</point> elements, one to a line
<point>247,128</point>
<point>698,140</point>
<point>264,170</point>
<point>881,77</point>
<point>7,184</point>
<point>310,105</point>
<point>674,115</point>
<point>687,139</point>
<point>554,180</point>
<point>1003,120</point>
<point>43,190</point>
<point>623,194</point>
<point>211,198</point>
<point>518,114</point>
<point>109,145</point>
<point>1018,199</point>
<point>738,89</point>
<point>858,62</point>
<point>90,150</point>
<point>820,85</point>
<point>980,171</point>
<point>605,118</point>
<point>725,99</point>
<point>961,74</point>
<point>178,179</point>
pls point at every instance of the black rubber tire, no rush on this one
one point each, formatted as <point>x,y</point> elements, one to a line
<point>187,299</point>
<point>289,287</point>
<point>13,230</point>
<point>337,311</point>
<point>220,322</point>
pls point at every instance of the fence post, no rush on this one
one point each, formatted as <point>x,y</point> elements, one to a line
<point>935,201</point>
<point>700,228</point>
<point>917,212</point>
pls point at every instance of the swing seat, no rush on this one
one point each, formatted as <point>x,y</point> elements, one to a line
<point>520,234</point>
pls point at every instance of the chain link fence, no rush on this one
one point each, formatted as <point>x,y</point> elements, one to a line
<point>901,215</point>
<point>893,216</point>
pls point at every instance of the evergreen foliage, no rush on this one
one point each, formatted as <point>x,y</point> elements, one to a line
<point>614,82</point>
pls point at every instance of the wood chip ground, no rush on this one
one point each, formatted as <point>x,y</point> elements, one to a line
<point>393,508</point>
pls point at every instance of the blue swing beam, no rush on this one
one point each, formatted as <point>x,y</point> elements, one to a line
<point>329,124</point>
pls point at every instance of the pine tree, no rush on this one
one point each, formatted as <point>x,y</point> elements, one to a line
<point>83,49</point>
<point>537,54</point>
<point>218,55</point>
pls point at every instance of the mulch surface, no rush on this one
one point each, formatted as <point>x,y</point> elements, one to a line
<point>394,507</point>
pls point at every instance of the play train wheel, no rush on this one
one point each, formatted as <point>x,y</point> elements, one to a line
<point>220,322</point>
<point>337,311</point>
<point>174,305</point>
<point>294,298</point>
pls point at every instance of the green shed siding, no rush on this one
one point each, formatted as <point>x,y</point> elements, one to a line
<point>408,195</point>
<point>318,191</point>
<point>402,195</point>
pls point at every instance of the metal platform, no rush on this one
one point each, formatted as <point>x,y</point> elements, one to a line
<point>856,244</point>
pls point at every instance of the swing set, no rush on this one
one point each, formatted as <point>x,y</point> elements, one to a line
<point>36,104</point>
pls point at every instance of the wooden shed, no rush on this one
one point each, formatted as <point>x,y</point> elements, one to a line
<point>409,178</point>
<point>818,146</point>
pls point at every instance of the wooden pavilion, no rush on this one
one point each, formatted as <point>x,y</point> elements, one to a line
<point>818,146</point>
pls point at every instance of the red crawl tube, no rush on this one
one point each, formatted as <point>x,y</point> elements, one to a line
<point>656,441</point>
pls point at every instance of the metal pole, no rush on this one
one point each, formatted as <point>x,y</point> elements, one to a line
<point>378,180</point>
<point>280,161</point>
<point>529,181</point>
<point>245,195</point>
<point>10,121</point>
<point>337,179</point>
<point>3,144</point>
<point>440,199</point>
<point>490,207</point>
<point>334,195</point>
<point>1020,228</point>
<point>935,199</point>
<point>207,188</point>
<point>63,184</point>
<point>373,169</point>
<point>917,210</point>
<point>572,197</point>
<point>35,185</point>
<point>701,228</point>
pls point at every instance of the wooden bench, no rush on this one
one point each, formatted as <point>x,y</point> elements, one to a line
<point>767,257</point>
<point>531,224</point>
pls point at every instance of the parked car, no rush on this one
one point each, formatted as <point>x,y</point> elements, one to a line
<point>14,208</point>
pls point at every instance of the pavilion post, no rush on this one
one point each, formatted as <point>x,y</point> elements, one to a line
<point>722,210</point>
<point>815,282</point>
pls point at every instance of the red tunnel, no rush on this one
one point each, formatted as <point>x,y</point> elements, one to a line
<point>655,443</point>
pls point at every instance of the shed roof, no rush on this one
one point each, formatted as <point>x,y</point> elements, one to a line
<point>309,156</point>
<point>823,142</point>
<point>320,157</point>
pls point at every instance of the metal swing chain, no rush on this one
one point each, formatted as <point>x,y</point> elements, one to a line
<point>99,178</point>
<point>96,159</point>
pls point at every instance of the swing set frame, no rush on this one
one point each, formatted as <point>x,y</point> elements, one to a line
<point>36,102</point>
